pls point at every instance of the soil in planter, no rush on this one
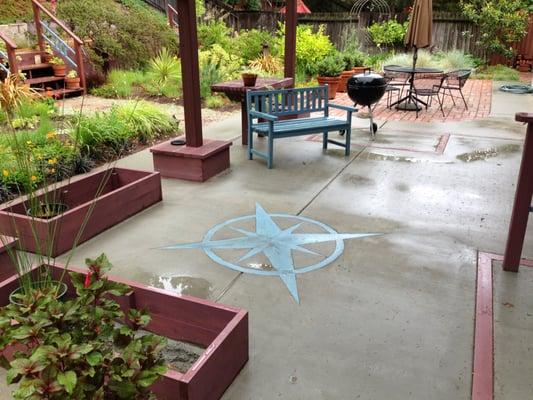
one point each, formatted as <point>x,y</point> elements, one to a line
<point>178,355</point>
<point>181,355</point>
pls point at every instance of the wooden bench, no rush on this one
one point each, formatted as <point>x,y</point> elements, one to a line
<point>268,111</point>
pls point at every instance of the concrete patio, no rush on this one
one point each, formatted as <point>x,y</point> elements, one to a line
<point>393,316</point>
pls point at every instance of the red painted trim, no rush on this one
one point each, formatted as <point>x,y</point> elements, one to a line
<point>483,362</point>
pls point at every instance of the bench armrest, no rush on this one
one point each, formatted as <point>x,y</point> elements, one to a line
<point>345,108</point>
<point>258,114</point>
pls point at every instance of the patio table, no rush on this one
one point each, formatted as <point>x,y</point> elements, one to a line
<point>410,102</point>
<point>236,91</point>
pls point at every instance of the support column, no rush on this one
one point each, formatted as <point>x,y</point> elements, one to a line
<point>190,71</point>
<point>522,202</point>
<point>291,19</point>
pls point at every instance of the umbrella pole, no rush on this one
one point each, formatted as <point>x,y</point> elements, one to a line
<point>412,80</point>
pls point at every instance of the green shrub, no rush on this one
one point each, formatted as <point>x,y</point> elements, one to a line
<point>447,61</point>
<point>163,77</point>
<point>145,121</point>
<point>388,33</point>
<point>126,31</point>
<point>120,84</point>
<point>215,102</point>
<point>310,47</point>
<point>501,23</point>
<point>214,33</point>
<point>249,43</point>
<point>353,59</point>
<point>217,65</point>
<point>454,60</point>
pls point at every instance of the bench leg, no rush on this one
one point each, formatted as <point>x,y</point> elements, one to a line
<point>250,144</point>
<point>348,141</point>
<point>270,161</point>
<point>325,140</point>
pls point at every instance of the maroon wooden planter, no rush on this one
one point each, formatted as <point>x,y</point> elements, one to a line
<point>222,330</point>
<point>124,193</point>
<point>7,268</point>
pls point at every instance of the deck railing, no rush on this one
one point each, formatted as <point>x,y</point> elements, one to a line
<point>9,55</point>
<point>47,34</point>
<point>172,15</point>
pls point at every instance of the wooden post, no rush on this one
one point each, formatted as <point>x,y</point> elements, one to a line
<point>81,66</point>
<point>38,27</point>
<point>191,72</point>
<point>291,19</point>
<point>522,202</point>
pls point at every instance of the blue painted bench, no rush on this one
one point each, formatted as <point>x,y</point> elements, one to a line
<point>266,108</point>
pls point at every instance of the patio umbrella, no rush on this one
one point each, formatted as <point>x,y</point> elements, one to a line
<point>418,33</point>
<point>301,8</point>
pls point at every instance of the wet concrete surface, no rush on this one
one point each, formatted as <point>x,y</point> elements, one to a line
<point>392,317</point>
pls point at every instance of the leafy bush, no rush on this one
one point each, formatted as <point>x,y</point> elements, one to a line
<point>388,33</point>
<point>216,65</point>
<point>163,77</point>
<point>501,22</point>
<point>454,59</point>
<point>310,47</point>
<point>447,61</point>
<point>215,102</point>
<point>125,32</point>
<point>330,66</point>
<point>120,84</point>
<point>249,43</point>
<point>212,33</point>
<point>268,64</point>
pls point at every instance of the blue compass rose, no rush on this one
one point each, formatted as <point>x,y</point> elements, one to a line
<point>275,243</point>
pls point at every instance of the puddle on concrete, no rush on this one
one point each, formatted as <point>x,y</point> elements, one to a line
<point>261,266</point>
<point>401,187</point>
<point>186,285</point>
<point>382,157</point>
<point>357,179</point>
<point>484,154</point>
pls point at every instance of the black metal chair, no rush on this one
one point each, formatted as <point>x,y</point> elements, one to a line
<point>456,80</point>
<point>397,82</point>
<point>430,86</point>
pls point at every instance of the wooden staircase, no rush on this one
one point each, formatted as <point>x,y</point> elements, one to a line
<point>38,73</point>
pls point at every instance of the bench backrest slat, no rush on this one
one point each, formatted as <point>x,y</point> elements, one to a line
<point>289,101</point>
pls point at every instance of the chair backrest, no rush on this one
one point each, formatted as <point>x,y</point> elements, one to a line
<point>288,101</point>
<point>460,76</point>
<point>429,81</point>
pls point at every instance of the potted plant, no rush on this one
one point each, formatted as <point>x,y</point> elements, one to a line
<point>60,69</point>
<point>249,77</point>
<point>48,54</point>
<point>353,64</point>
<point>72,81</point>
<point>329,70</point>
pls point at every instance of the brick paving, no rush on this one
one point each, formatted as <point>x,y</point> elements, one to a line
<point>478,95</point>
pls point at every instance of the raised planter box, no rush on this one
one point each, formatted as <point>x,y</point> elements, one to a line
<point>7,268</point>
<point>222,330</point>
<point>191,163</point>
<point>123,193</point>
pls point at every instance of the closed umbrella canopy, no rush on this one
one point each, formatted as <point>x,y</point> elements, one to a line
<point>420,25</point>
<point>301,8</point>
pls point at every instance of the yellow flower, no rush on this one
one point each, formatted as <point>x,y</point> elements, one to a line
<point>52,161</point>
<point>28,142</point>
<point>5,172</point>
<point>33,178</point>
<point>52,170</point>
<point>51,135</point>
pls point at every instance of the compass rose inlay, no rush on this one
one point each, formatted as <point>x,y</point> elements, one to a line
<point>275,243</point>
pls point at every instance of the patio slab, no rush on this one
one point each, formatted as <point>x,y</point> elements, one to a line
<point>392,317</point>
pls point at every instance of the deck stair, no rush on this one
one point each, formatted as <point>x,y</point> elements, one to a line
<point>33,64</point>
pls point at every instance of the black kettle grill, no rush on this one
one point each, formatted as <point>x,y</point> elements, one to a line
<point>365,90</point>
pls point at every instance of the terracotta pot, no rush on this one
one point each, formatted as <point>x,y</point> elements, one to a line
<point>49,92</point>
<point>249,79</point>
<point>60,70</point>
<point>359,70</point>
<point>344,81</point>
<point>332,82</point>
<point>72,83</point>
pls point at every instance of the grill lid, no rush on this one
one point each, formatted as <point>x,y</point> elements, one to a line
<point>367,80</point>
